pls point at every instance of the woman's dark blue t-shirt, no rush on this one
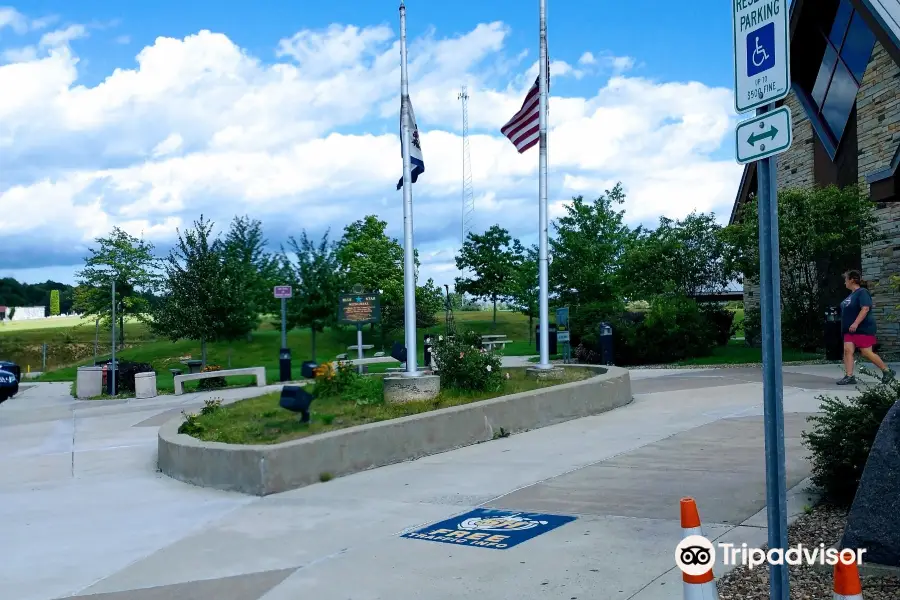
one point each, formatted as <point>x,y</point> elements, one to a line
<point>850,308</point>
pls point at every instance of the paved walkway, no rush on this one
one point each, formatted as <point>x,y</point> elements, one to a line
<point>85,514</point>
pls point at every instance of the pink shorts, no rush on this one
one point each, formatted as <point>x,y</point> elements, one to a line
<point>859,340</point>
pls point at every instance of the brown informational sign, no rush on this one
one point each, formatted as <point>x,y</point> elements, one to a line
<point>359,309</point>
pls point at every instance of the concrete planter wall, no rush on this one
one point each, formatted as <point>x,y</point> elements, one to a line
<point>263,470</point>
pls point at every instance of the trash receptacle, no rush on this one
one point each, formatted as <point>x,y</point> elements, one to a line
<point>605,343</point>
<point>834,345</point>
<point>284,364</point>
<point>89,382</point>
<point>308,369</point>
<point>551,334</point>
<point>145,385</point>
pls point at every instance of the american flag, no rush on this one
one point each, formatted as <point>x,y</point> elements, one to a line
<point>523,130</point>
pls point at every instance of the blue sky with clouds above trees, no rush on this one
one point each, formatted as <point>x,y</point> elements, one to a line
<point>144,115</point>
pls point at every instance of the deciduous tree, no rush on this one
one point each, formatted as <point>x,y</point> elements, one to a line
<point>317,284</point>
<point>524,287</point>
<point>491,260</point>
<point>199,302</point>
<point>589,243</point>
<point>821,235</point>
<point>130,262</point>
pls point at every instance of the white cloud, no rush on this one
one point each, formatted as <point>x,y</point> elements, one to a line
<point>169,145</point>
<point>123,40</point>
<point>10,17</point>
<point>62,37</point>
<point>310,141</point>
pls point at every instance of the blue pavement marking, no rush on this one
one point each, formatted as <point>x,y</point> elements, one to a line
<point>488,528</point>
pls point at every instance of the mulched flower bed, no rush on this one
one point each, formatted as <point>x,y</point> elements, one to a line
<point>822,524</point>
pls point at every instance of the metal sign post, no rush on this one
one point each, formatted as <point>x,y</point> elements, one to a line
<point>762,77</point>
<point>284,357</point>
<point>563,333</point>
<point>112,356</point>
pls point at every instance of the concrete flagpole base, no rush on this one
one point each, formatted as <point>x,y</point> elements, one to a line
<point>398,390</point>
<point>551,374</point>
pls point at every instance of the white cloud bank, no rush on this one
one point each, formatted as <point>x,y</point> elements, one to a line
<point>310,141</point>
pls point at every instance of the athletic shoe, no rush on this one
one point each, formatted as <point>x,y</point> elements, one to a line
<point>847,380</point>
<point>888,376</point>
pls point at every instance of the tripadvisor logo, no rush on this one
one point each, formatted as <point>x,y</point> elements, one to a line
<point>695,555</point>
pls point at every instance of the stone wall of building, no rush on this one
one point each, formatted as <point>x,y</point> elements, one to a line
<point>878,123</point>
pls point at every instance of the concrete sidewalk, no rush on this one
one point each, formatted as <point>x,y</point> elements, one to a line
<point>84,501</point>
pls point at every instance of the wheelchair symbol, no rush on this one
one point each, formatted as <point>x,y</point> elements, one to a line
<point>759,52</point>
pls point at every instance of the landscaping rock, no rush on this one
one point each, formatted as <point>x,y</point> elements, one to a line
<point>874,519</point>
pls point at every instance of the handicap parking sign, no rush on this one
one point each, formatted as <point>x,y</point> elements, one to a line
<point>761,49</point>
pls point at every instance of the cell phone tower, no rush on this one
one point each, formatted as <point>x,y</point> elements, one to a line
<point>468,192</point>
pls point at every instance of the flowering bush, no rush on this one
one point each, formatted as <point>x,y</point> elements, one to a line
<point>464,365</point>
<point>213,383</point>
<point>345,383</point>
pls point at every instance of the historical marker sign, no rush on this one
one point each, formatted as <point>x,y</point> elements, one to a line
<point>283,291</point>
<point>762,72</point>
<point>358,309</point>
<point>763,136</point>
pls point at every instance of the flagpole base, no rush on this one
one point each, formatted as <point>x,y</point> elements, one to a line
<point>548,373</point>
<point>400,390</point>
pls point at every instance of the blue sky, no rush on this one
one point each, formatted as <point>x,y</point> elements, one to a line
<point>151,145</point>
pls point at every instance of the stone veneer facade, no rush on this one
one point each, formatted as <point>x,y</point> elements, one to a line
<point>878,134</point>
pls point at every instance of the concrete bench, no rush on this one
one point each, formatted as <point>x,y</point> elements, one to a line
<point>490,344</point>
<point>365,347</point>
<point>341,357</point>
<point>379,354</point>
<point>260,373</point>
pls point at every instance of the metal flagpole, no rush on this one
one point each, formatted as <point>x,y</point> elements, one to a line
<point>773,390</point>
<point>544,304</point>
<point>409,275</point>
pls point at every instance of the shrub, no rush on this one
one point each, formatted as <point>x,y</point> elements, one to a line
<point>190,426</point>
<point>753,327</point>
<point>333,382</point>
<point>126,372</point>
<point>213,383</point>
<point>673,329</point>
<point>464,365</point>
<point>721,322</point>
<point>210,406</point>
<point>842,437</point>
<point>346,383</point>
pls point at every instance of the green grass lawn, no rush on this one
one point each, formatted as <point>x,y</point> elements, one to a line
<point>142,346</point>
<point>736,353</point>
<point>262,421</point>
<point>71,346</point>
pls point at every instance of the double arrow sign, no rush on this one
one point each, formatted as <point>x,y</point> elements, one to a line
<point>763,136</point>
<point>758,137</point>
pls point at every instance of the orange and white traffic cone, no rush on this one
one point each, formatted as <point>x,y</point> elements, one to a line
<point>846,582</point>
<point>696,587</point>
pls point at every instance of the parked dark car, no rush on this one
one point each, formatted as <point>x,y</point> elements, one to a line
<point>9,385</point>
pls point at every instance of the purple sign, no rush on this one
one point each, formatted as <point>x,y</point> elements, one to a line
<point>283,291</point>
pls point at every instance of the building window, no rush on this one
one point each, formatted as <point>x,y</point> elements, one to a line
<point>848,47</point>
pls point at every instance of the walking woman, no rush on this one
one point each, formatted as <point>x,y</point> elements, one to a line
<point>858,327</point>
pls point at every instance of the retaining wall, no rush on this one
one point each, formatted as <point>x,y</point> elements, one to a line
<point>267,469</point>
